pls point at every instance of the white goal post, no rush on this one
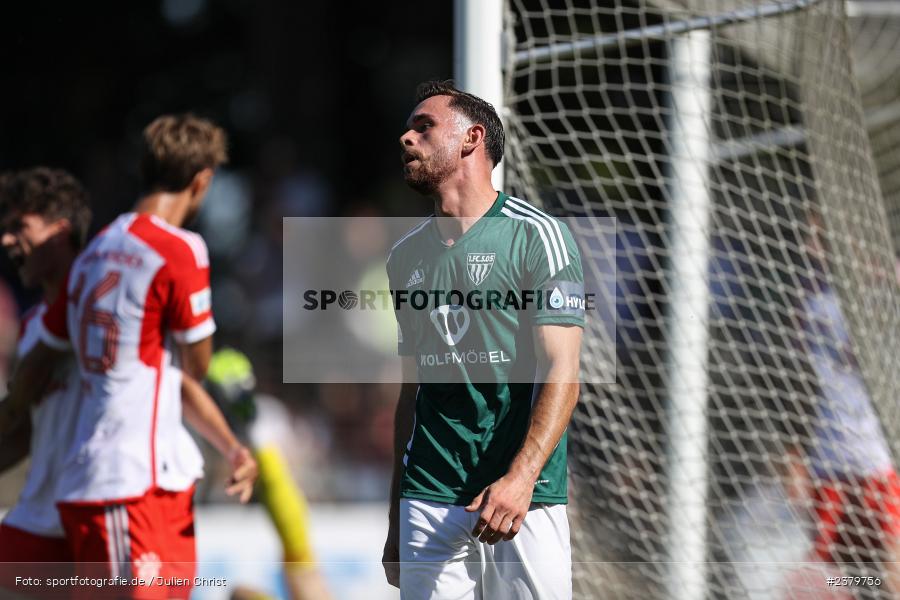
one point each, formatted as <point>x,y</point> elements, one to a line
<point>478,54</point>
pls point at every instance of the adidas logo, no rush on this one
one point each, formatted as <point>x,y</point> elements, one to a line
<point>415,278</point>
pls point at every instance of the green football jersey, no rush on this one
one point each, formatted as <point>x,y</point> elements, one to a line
<point>466,313</point>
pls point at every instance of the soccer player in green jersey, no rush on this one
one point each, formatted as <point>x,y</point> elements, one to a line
<point>489,297</point>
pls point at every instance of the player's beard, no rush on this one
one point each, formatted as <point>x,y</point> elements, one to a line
<point>431,172</point>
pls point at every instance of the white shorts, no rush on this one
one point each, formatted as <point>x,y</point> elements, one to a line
<point>441,560</point>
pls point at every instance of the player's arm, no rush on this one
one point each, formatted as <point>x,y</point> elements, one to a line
<point>33,372</point>
<point>184,292</point>
<point>504,504</point>
<point>403,426</point>
<point>558,349</point>
<point>28,385</point>
<point>195,357</point>
<point>557,330</point>
<point>14,446</point>
<point>201,412</point>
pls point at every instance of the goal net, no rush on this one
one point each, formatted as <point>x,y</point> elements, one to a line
<point>875,37</point>
<point>746,447</point>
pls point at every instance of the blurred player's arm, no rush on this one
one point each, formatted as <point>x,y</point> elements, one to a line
<point>288,509</point>
<point>33,372</point>
<point>231,383</point>
<point>188,308</point>
<point>14,446</point>
<point>285,504</point>
<point>403,426</point>
<point>504,504</point>
<point>195,357</point>
<point>201,413</point>
<point>28,384</point>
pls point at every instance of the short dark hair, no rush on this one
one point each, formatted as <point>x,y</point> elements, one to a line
<point>474,108</point>
<point>53,194</point>
<point>177,147</point>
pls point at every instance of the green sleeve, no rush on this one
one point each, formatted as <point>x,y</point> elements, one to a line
<point>554,270</point>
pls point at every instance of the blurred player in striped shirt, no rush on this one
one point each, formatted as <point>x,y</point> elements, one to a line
<point>136,311</point>
<point>45,223</point>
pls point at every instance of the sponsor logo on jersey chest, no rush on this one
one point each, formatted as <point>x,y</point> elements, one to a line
<point>451,322</point>
<point>478,265</point>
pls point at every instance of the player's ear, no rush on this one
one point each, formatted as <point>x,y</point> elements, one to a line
<point>474,138</point>
<point>200,183</point>
<point>62,228</point>
<point>62,224</point>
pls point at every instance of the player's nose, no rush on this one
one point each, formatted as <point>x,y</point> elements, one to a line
<point>7,239</point>
<point>406,139</point>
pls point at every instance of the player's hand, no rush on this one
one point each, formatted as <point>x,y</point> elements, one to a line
<point>244,472</point>
<point>390,559</point>
<point>503,506</point>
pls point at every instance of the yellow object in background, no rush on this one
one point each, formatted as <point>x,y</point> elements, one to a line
<point>286,505</point>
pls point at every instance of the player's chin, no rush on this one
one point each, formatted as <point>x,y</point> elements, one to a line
<point>410,173</point>
<point>423,185</point>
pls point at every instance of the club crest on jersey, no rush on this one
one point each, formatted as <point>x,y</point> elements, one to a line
<point>148,566</point>
<point>478,265</point>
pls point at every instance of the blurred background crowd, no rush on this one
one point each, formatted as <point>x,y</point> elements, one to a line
<point>313,97</point>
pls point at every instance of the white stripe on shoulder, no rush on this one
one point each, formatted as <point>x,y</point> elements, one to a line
<point>409,234</point>
<point>553,226</point>
<point>120,225</point>
<point>412,232</point>
<point>125,221</point>
<point>193,240</point>
<point>540,229</point>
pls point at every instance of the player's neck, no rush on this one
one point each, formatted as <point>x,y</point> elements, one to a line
<point>52,284</point>
<point>171,207</point>
<point>465,200</point>
<point>460,207</point>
